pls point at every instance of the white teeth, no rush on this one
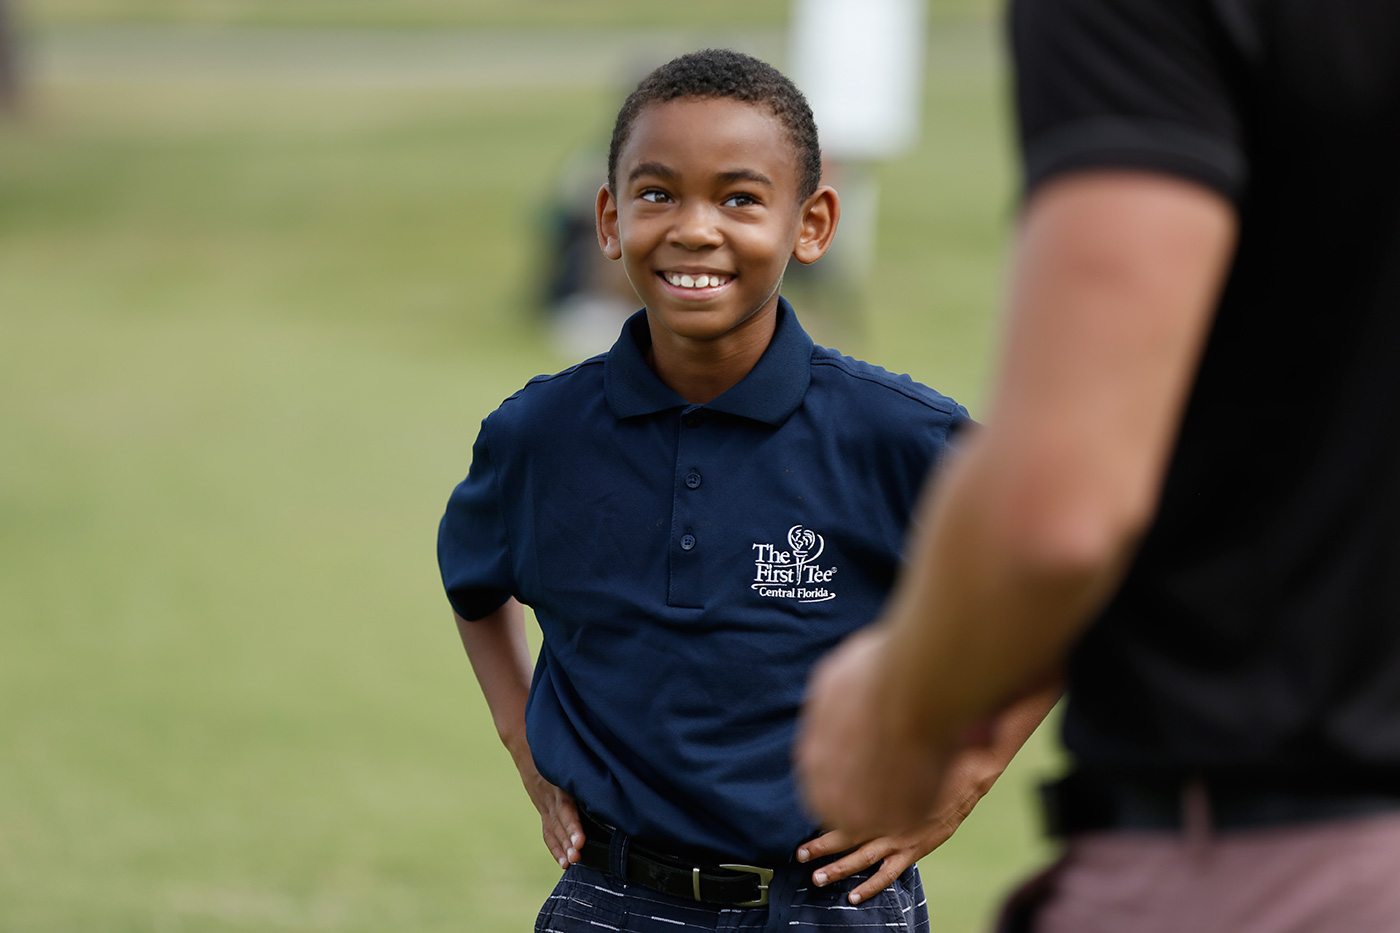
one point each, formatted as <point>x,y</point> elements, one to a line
<point>683,280</point>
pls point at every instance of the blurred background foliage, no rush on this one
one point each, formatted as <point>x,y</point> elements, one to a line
<point>257,288</point>
<point>444,13</point>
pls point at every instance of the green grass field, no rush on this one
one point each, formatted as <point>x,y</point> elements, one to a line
<point>247,331</point>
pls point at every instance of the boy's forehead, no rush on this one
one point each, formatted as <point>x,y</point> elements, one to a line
<point>705,123</point>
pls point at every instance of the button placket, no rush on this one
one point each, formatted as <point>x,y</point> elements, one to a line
<point>688,512</point>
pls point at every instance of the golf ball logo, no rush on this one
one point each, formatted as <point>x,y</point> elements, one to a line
<point>802,541</point>
<point>793,572</point>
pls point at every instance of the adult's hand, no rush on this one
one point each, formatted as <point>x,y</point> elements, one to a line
<point>863,764</point>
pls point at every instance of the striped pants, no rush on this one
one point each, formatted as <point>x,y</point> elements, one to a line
<point>590,901</point>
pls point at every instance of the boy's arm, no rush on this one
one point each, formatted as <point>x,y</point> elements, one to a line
<point>970,776</point>
<point>500,659</point>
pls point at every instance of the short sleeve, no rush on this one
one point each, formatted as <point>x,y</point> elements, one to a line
<point>1138,84</point>
<point>473,547</point>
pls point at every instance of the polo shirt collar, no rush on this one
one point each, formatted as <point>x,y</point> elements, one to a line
<point>769,393</point>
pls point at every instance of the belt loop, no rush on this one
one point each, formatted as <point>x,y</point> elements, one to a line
<point>1197,820</point>
<point>617,854</point>
<point>782,888</point>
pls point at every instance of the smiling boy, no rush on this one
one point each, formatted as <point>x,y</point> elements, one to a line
<point>695,517</point>
<point>710,206</point>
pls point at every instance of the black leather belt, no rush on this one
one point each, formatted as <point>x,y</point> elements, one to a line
<point>1087,803</point>
<point>679,876</point>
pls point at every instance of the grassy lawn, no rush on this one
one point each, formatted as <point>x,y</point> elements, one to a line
<point>246,335</point>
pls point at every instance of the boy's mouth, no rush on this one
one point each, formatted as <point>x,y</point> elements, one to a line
<point>692,280</point>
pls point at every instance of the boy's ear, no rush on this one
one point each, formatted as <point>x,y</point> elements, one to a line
<point>605,210</point>
<point>820,213</point>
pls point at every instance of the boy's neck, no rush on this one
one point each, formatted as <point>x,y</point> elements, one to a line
<point>701,371</point>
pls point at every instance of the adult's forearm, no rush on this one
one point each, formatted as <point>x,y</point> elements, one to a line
<point>984,613</point>
<point>1031,526</point>
<point>1115,280</point>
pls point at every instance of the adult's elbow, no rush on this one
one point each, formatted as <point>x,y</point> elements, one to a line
<point>1074,532</point>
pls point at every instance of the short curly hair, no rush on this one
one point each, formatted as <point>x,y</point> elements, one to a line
<point>712,73</point>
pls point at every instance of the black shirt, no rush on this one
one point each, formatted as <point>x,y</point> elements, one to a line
<point>1258,632</point>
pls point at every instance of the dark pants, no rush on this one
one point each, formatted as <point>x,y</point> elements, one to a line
<point>1336,876</point>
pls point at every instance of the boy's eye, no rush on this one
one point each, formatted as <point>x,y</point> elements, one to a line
<point>740,200</point>
<point>654,195</point>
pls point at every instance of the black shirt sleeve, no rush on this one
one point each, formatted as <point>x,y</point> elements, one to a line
<point>1137,84</point>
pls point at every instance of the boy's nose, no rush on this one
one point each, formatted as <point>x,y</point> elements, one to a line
<point>696,228</point>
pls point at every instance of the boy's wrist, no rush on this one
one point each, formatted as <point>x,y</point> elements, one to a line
<point>515,743</point>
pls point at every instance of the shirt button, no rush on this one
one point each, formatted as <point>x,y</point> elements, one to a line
<point>693,480</point>
<point>687,542</point>
<point>693,419</point>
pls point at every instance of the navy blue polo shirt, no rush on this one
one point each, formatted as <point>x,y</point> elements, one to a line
<point>688,564</point>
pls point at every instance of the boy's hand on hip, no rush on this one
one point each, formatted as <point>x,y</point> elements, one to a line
<point>970,776</point>
<point>559,822</point>
<point>893,854</point>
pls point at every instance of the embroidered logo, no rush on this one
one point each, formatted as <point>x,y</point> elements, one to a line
<point>793,573</point>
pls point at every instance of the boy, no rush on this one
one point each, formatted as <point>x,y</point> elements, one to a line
<point>695,517</point>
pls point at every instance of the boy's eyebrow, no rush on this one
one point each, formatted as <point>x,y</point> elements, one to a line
<point>659,169</point>
<point>746,174</point>
<point>662,170</point>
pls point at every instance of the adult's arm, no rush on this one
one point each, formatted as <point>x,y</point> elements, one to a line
<point>971,774</point>
<point>500,658</point>
<point>1030,527</point>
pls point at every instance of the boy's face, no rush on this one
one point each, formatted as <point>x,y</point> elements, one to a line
<point>706,215</point>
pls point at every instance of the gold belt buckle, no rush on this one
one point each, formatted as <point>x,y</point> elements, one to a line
<point>765,875</point>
